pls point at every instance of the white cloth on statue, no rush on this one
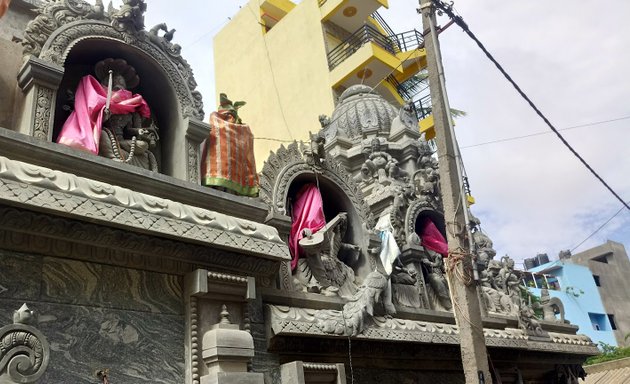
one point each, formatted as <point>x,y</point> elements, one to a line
<point>389,248</point>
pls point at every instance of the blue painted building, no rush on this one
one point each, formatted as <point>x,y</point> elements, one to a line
<point>576,286</point>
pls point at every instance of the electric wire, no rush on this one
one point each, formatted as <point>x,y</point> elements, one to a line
<point>598,229</point>
<point>545,132</point>
<point>273,75</point>
<point>460,21</point>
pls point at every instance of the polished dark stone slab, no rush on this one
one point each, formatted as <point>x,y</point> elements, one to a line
<point>136,347</point>
<point>19,276</point>
<point>81,283</point>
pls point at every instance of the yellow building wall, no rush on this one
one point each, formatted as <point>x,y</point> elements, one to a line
<point>294,50</point>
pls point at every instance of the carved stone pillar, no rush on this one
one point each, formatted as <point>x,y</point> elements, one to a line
<point>196,133</point>
<point>226,352</point>
<point>39,81</point>
<point>208,295</point>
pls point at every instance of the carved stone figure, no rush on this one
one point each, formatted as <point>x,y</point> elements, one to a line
<point>352,320</point>
<point>399,212</point>
<point>527,321</point>
<point>126,137</point>
<point>377,160</point>
<point>495,298</point>
<point>551,306</point>
<point>130,16</point>
<point>406,288</point>
<point>315,152</point>
<point>164,41</point>
<point>327,259</point>
<point>324,120</point>
<point>407,116</point>
<point>508,280</point>
<point>434,266</point>
<point>109,120</point>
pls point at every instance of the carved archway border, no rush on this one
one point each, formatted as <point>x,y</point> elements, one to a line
<point>63,24</point>
<point>415,209</point>
<point>284,166</point>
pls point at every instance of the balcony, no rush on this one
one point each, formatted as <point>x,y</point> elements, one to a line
<point>349,14</point>
<point>394,44</point>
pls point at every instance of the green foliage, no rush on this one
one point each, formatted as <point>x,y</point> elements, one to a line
<point>609,353</point>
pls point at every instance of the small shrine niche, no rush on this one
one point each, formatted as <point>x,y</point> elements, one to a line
<point>64,45</point>
<point>153,86</point>
<point>334,202</point>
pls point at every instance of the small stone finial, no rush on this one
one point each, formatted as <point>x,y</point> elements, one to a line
<point>225,315</point>
<point>23,315</point>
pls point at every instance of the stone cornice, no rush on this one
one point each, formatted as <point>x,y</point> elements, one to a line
<point>291,321</point>
<point>65,194</point>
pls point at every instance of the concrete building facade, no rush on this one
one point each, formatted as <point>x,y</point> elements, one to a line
<point>575,287</point>
<point>610,269</point>
<point>291,62</point>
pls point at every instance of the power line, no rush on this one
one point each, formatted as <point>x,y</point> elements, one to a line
<point>598,229</point>
<point>460,21</point>
<point>545,132</point>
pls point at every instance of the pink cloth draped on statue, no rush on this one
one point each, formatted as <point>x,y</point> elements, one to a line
<point>433,239</point>
<point>307,213</point>
<point>82,129</point>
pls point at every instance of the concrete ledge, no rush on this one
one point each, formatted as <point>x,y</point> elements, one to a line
<point>608,365</point>
<point>20,147</point>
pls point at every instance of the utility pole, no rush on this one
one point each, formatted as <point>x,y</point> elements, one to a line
<point>463,288</point>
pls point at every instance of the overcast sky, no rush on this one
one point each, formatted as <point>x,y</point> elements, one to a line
<point>533,196</point>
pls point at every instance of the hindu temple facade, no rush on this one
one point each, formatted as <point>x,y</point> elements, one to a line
<point>133,272</point>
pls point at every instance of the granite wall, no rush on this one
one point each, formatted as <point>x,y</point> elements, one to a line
<point>97,316</point>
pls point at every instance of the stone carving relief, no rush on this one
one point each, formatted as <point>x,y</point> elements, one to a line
<point>42,112</point>
<point>326,267</point>
<point>550,306</point>
<point>61,24</point>
<point>438,291</point>
<point>24,351</point>
<point>67,193</point>
<point>293,321</point>
<point>356,313</point>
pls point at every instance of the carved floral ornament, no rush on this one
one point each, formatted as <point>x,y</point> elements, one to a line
<point>24,351</point>
<point>62,24</point>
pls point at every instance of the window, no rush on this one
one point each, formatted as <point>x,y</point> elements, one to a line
<point>597,282</point>
<point>598,320</point>
<point>601,259</point>
<point>613,325</point>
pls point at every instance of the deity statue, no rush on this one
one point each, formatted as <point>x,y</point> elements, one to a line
<point>321,259</point>
<point>528,322</point>
<point>493,290</point>
<point>315,152</point>
<point>509,280</point>
<point>378,160</point>
<point>434,264</point>
<point>111,121</point>
<point>130,16</point>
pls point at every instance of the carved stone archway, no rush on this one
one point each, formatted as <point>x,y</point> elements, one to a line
<point>290,164</point>
<point>63,25</point>
<point>420,207</point>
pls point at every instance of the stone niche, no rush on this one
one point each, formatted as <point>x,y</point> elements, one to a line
<point>65,42</point>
